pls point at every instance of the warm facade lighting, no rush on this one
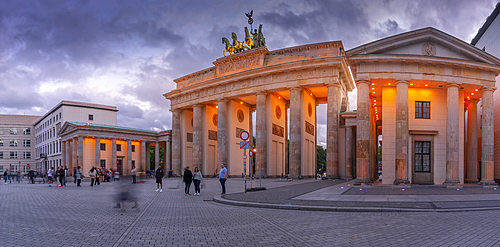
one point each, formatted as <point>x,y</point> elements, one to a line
<point>426,85</point>
<point>374,100</point>
<point>468,97</point>
<point>411,84</point>
<point>373,84</point>
<point>476,90</point>
<point>471,93</point>
<point>241,102</point>
<point>311,94</point>
<point>389,83</point>
<point>373,88</point>
<point>279,97</point>
<point>373,92</point>
<point>216,106</point>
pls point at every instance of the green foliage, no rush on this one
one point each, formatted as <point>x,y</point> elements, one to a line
<point>320,157</point>
<point>152,158</point>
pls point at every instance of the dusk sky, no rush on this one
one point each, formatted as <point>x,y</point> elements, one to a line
<point>127,53</point>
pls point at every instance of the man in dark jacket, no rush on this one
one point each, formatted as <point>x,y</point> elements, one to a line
<point>188,179</point>
<point>159,176</point>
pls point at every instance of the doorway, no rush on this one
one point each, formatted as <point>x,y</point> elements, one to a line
<point>422,161</point>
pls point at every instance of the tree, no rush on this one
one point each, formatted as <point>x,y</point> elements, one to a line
<point>320,157</point>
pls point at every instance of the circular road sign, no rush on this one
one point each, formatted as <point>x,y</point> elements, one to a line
<point>244,135</point>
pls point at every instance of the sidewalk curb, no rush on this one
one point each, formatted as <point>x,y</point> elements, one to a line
<point>221,200</point>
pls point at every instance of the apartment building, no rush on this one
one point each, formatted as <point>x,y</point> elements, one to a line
<point>17,142</point>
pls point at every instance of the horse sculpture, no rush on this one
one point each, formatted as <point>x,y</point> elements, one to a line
<point>238,46</point>
<point>249,40</point>
<point>229,47</point>
<point>260,37</point>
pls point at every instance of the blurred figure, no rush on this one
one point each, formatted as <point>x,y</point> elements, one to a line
<point>97,176</point>
<point>79,176</point>
<point>92,176</point>
<point>74,175</point>
<point>125,193</point>
<point>60,173</point>
<point>188,179</point>
<point>65,174</point>
<point>6,175</point>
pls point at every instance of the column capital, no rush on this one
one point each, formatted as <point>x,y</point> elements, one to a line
<point>198,105</point>
<point>222,100</point>
<point>334,84</point>
<point>262,93</point>
<point>448,85</point>
<point>484,88</point>
<point>475,101</point>
<point>298,88</point>
<point>402,81</point>
<point>362,82</point>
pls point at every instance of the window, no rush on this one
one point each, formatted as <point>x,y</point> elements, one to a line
<point>133,163</point>
<point>103,163</point>
<point>1,156</point>
<point>26,155</point>
<point>103,147</point>
<point>13,155</point>
<point>118,147</point>
<point>422,109</point>
<point>91,117</point>
<point>1,168</point>
<point>13,131</point>
<point>26,143</point>
<point>422,156</point>
<point>133,148</point>
<point>1,131</point>
<point>27,131</point>
<point>59,115</point>
<point>1,143</point>
<point>13,143</point>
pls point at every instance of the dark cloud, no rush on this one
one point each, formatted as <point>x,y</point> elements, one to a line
<point>127,53</point>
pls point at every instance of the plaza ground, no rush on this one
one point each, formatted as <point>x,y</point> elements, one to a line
<point>36,215</point>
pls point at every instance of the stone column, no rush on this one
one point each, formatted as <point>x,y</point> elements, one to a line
<point>97,152</point>
<point>68,156</point>
<point>168,164</point>
<point>176,142</point>
<point>487,138</point>
<point>363,134</point>
<point>80,152</point>
<point>332,161</point>
<point>402,133</point>
<point>113,153</point>
<point>452,130</point>
<point>74,151</point>
<point>221,132</point>
<point>295,132</point>
<point>472,142</point>
<point>287,162</point>
<point>129,158</point>
<point>157,155</point>
<point>63,153</point>
<point>261,125</point>
<point>197,137</point>
<point>348,152</point>
<point>250,131</point>
<point>143,167</point>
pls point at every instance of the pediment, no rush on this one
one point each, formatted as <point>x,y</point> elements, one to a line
<point>428,42</point>
<point>67,127</point>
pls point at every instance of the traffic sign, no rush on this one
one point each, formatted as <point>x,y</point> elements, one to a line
<point>244,144</point>
<point>244,135</point>
<point>250,153</point>
<point>28,165</point>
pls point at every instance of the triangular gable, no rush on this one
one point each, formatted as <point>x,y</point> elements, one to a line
<point>67,127</point>
<point>425,42</point>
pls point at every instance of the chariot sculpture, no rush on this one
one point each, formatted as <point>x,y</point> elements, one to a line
<point>254,41</point>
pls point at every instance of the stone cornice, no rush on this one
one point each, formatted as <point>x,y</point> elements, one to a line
<point>286,71</point>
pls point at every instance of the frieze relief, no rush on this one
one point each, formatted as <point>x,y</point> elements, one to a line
<point>309,128</point>
<point>278,130</point>
<point>238,65</point>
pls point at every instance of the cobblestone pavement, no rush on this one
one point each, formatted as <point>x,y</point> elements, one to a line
<point>37,215</point>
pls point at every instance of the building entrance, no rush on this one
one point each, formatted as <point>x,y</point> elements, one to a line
<point>422,164</point>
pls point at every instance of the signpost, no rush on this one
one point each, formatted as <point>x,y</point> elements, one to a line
<point>244,144</point>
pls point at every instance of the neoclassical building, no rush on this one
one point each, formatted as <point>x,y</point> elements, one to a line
<point>416,91</point>
<point>112,147</point>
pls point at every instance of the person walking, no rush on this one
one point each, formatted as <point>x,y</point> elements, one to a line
<point>97,177</point>
<point>197,177</point>
<point>188,179</point>
<point>6,175</point>
<point>92,176</point>
<point>223,177</point>
<point>60,173</point>
<point>65,174</point>
<point>78,176</point>
<point>49,176</point>
<point>134,175</point>
<point>159,176</point>
<point>74,175</point>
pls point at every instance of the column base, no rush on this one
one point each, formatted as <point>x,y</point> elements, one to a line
<point>332,176</point>
<point>452,182</point>
<point>472,181</point>
<point>401,182</point>
<point>363,181</point>
<point>488,182</point>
